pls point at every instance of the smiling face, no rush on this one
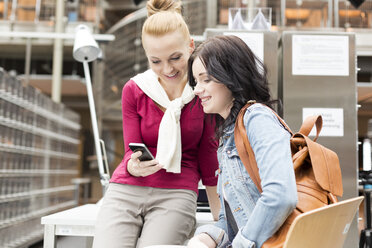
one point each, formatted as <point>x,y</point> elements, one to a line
<point>215,97</point>
<point>168,55</point>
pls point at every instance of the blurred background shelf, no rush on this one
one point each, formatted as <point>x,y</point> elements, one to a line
<point>39,154</point>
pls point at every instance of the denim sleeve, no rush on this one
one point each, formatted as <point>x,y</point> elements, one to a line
<point>217,231</point>
<point>270,143</point>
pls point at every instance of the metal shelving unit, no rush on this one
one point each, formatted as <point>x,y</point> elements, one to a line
<point>39,142</point>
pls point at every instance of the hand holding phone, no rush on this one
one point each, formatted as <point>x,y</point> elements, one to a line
<point>145,164</point>
<point>146,154</point>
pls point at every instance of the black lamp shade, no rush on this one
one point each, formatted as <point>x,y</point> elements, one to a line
<point>356,3</point>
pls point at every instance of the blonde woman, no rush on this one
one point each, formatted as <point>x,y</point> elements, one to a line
<point>154,202</point>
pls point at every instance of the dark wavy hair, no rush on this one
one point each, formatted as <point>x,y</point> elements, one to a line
<point>229,61</point>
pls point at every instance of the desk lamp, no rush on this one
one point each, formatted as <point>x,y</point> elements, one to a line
<point>86,50</point>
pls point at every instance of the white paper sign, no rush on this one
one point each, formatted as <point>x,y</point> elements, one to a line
<point>333,120</point>
<point>255,41</point>
<point>320,55</point>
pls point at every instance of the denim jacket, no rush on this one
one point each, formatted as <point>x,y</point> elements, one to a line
<point>258,216</point>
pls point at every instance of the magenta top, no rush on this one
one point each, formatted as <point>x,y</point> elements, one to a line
<point>141,120</point>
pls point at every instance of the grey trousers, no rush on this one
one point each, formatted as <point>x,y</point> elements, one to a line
<point>135,216</point>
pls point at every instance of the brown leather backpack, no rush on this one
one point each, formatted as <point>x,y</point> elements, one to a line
<point>317,170</point>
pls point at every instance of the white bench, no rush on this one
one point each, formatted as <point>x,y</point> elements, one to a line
<point>80,221</point>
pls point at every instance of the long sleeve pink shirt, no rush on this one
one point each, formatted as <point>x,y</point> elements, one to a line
<point>141,120</point>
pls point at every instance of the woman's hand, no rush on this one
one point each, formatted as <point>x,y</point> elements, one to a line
<point>202,240</point>
<point>139,168</point>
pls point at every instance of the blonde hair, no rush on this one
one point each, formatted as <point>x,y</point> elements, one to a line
<point>163,17</point>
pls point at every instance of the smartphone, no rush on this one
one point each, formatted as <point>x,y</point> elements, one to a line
<point>146,154</point>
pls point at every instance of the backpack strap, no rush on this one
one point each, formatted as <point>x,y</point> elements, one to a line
<point>308,124</point>
<point>244,148</point>
<point>280,120</point>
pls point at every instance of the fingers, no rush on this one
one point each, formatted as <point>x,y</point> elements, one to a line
<point>146,171</point>
<point>142,164</point>
<point>136,155</point>
<point>142,168</point>
<point>149,163</point>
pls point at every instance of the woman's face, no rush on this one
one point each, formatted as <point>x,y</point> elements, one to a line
<point>168,55</point>
<point>215,97</point>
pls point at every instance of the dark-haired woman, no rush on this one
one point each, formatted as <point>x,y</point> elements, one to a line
<point>154,202</point>
<point>225,75</point>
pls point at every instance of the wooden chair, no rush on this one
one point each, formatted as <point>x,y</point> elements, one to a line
<point>323,227</point>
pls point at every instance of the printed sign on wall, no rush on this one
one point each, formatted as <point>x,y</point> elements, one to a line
<point>333,120</point>
<point>320,55</point>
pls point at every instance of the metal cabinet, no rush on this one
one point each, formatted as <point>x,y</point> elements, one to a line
<point>319,77</point>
